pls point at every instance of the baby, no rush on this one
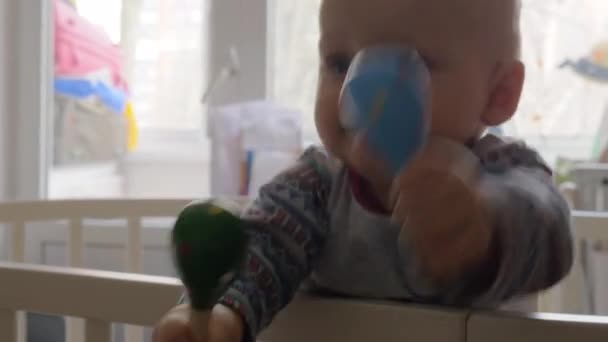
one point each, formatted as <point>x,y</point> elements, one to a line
<point>472,221</point>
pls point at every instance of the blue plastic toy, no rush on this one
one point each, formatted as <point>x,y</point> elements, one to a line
<point>385,96</point>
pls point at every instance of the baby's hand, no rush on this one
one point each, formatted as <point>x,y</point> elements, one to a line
<point>224,326</point>
<point>437,203</point>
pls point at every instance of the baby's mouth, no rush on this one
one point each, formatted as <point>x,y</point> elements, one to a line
<point>364,194</point>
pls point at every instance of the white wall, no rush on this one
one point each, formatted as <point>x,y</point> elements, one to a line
<point>2,95</point>
<point>7,34</point>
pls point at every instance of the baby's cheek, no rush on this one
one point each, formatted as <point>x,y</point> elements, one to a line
<point>455,123</point>
<point>456,111</point>
<point>326,113</point>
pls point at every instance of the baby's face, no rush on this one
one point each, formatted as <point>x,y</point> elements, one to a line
<point>452,36</point>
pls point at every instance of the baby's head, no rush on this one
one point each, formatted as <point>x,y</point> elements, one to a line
<point>471,48</point>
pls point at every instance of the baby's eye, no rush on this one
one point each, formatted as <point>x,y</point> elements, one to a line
<point>338,64</point>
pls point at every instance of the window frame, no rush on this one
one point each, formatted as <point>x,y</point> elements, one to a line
<point>30,103</point>
<point>235,23</point>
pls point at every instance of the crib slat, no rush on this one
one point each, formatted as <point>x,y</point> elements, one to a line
<point>134,245</point>
<point>12,326</point>
<point>18,242</point>
<point>599,199</point>
<point>134,333</point>
<point>74,327</point>
<point>17,255</point>
<point>134,265</point>
<point>15,320</point>
<point>8,325</point>
<point>75,243</point>
<point>604,195</point>
<point>21,326</point>
<point>97,331</point>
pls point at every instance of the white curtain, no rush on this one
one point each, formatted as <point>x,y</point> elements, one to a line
<point>563,102</point>
<point>294,36</point>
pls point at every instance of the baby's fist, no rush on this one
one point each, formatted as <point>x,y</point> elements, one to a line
<point>224,326</point>
<point>437,203</point>
<point>174,326</point>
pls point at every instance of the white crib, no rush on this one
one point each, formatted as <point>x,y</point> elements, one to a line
<point>131,214</point>
<point>102,298</point>
<point>590,186</point>
<point>588,191</point>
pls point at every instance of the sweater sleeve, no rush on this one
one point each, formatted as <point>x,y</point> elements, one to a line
<point>287,225</point>
<point>532,247</point>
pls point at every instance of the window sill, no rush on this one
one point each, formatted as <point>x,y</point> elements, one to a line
<point>171,145</point>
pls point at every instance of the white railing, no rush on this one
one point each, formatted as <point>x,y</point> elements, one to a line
<point>588,193</point>
<point>573,294</point>
<point>18,214</point>
<point>590,182</point>
<point>100,297</point>
<point>103,297</point>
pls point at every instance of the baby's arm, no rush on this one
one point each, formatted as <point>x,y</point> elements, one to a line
<point>288,223</point>
<point>506,235</point>
<point>532,247</point>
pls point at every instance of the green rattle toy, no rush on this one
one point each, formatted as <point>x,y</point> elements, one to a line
<point>209,246</point>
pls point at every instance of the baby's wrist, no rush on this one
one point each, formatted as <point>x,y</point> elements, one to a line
<point>230,318</point>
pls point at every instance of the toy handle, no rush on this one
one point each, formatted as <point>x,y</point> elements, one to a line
<point>199,323</point>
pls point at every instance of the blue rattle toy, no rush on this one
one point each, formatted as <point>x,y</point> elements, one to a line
<point>384,96</point>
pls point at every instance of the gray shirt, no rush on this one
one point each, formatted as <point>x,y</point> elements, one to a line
<point>306,225</point>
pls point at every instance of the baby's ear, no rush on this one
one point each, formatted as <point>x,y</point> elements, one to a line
<point>505,93</point>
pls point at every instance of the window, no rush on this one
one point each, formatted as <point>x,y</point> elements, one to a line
<point>161,47</point>
<point>168,44</point>
<point>106,16</point>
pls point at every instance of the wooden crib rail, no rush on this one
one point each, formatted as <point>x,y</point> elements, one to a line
<point>537,327</point>
<point>333,320</point>
<point>320,319</point>
<point>567,297</point>
<point>98,208</point>
<point>18,214</point>
<point>592,225</point>
<point>573,294</point>
<point>590,182</point>
<point>100,297</point>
